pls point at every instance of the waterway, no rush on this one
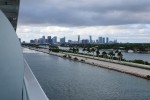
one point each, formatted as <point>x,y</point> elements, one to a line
<point>64,79</point>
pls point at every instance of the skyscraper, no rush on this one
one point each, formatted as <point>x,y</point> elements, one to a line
<point>54,40</point>
<point>62,40</point>
<point>49,40</point>
<point>107,40</point>
<point>90,39</point>
<point>100,40</point>
<point>103,40</point>
<point>85,41</point>
<point>43,39</point>
<point>78,38</point>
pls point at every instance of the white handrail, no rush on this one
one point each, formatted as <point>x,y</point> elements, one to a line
<point>33,88</point>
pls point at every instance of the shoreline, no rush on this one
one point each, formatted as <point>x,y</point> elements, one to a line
<point>136,71</point>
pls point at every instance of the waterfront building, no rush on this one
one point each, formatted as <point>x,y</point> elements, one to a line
<point>78,38</point>
<point>23,42</point>
<point>49,40</point>
<point>43,39</point>
<point>54,40</point>
<point>62,40</point>
<point>40,40</point>
<point>35,41</point>
<point>74,42</point>
<point>46,41</point>
<point>107,40</point>
<point>85,41</point>
<point>90,39</point>
<point>103,40</point>
<point>100,40</point>
<point>96,41</point>
<point>31,41</point>
<point>69,41</point>
<point>115,41</point>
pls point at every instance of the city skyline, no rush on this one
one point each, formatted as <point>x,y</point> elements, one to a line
<point>125,20</point>
<point>63,40</point>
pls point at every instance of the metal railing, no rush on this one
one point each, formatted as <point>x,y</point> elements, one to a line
<point>32,89</point>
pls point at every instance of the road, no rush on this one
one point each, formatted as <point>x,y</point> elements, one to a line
<point>136,71</point>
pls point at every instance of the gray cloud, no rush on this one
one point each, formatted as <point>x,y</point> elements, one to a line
<point>84,12</point>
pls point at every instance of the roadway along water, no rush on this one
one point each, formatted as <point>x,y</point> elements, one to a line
<point>127,56</point>
<point>63,79</point>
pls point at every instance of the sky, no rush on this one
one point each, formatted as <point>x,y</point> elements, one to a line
<point>124,20</point>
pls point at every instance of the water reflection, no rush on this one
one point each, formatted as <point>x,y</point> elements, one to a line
<point>63,79</point>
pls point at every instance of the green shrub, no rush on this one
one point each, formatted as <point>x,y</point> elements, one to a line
<point>146,63</point>
<point>55,50</point>
<point>139,61</point>
<point>82,60</point>
<point>100,56</point>
<point>148,76</point>
<point>64,56</point>
<point>81,53</point>
<point>75,58</point>
<point>69,56</point>
<point>115,58</point>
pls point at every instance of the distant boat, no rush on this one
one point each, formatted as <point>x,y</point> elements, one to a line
<point>130,51</point>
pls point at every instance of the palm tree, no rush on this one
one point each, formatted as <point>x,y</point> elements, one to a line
<point>104,54</point>
<point>70,49</point>
<point>77,50</point>
<point>49,48</point>
<point>74,50</point>
<point>120,55</point>
<point>111,54</point>
<point>117,51</point>
<point>93,50</point>
<point>84,49</point>
<point>88,50</point>
<point>97,52</point>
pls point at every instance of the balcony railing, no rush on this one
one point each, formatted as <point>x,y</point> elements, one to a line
<point>32,89</point>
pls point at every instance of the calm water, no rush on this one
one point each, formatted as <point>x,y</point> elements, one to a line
<point>137,56</point>
<point>63,79</point>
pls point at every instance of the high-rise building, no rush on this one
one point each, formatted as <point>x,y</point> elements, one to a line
<point>96,41</point>
<point>100,40</point>
<point>24,42</point>
<point>90,39</point>
<point>54,40</point>
<point>40,40</point>
<point>107,40</point>
<point>43,40</point>
<point>103,40</point>
<point>32,41</point>
<point>69,41</point>
<point>78,38</point>
<point>62,40</point>
<point>115,41</point>
<point>35,41</point>
<point>85,41</point>
<point>46,40</point>
<point>49,40</point>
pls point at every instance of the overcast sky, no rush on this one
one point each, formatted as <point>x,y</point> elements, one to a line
<point>124,20</point>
